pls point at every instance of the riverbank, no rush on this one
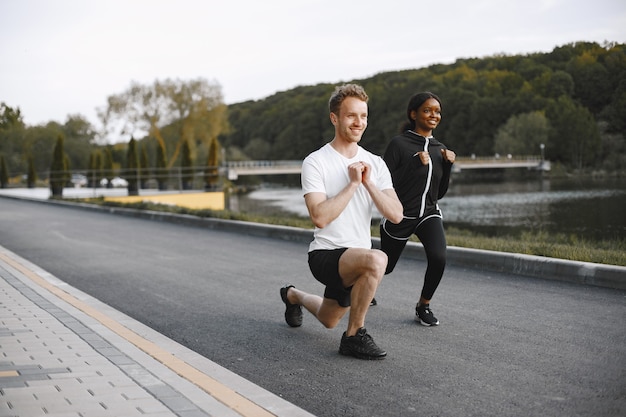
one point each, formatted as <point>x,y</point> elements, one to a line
<point>577,219</point>
<point>530,242</point>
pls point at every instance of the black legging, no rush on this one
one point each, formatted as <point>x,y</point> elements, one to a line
<point>432,236</point>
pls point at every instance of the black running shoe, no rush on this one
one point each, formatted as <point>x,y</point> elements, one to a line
<point>360,346</point>
<point>424,316</point>
<point>373,302</point>
<point>293,312</point>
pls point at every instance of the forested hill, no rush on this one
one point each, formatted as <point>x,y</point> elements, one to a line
<point>572,99</point>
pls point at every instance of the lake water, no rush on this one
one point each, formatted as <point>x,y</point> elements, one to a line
<point>591,209</point>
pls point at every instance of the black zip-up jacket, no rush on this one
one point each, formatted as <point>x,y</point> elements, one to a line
<point>418,186</point>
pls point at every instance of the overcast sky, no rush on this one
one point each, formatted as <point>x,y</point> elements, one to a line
<point>62,57</point>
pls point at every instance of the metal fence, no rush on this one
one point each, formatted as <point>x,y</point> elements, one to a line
<point>176,178</point>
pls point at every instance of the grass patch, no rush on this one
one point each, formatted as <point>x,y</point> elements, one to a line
<point>541,243</point>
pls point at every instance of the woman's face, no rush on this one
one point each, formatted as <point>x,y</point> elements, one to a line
<point>427,117</point>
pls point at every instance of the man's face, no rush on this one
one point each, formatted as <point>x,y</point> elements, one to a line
<point>351,121</point>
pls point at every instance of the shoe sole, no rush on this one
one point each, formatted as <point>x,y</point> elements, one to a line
<point>362,356</point>
<point>423,323</point>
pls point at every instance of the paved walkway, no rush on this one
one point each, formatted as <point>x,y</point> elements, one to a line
<point>64,353</point>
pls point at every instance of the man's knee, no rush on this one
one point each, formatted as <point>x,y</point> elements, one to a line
<point>379,259</point>
<point>330,323</point>
<point>330,313</point>
<point>377,262</point>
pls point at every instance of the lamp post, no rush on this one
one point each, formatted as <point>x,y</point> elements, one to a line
<point>542,147</point>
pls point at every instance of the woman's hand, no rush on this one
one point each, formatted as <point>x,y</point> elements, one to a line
<point>448,155</point>
<point>423,156</point>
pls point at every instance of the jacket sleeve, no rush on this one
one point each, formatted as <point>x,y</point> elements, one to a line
<point>445,179</point>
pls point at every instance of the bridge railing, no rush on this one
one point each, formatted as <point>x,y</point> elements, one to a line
<point>462,159</point>
<point>267,167</point>
<point>533,162</point>
<point>497,159</point>
<point>263,164</point>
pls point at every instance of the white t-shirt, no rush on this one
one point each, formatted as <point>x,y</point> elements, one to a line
<point>326,171</point>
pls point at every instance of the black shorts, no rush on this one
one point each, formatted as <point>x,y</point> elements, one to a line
<point>407,227</point>
<point>324,265</point>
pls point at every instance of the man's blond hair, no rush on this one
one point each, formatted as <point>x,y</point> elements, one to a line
<point>344,91</point>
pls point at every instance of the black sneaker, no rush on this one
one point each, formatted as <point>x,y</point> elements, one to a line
<point>360,346</point>
<point>293,312</point>
<point>424,316</point>
<point>373,302</point>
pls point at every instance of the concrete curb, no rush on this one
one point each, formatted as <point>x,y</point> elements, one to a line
<point>599,275</point>
<point>588,273</point>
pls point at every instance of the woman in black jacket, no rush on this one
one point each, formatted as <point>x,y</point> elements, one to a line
<point>420,168</point>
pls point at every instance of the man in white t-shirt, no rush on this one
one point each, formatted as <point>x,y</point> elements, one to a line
<point>342,183</point>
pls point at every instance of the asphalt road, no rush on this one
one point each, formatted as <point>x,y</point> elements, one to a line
<point>507,345</point>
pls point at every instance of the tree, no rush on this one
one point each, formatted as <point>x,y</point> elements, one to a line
<point>58,169</point>
<point>4,173</point>
<point>38,141</point>
<point>456,120</point>
<point>107,166</point>
<point>10,118</point>
<point>522,134</point>
<point>258,148</point>
<point>554,84</point>
<point>592,82</point>
<point>613,156</point>
<point>195,107</point>
<point>479,96</point>
<point>486,115</point>
<point>95,171</point>
<point>31,178</point>
<point>161,166</point>
<point>79,140</point>
<point>132,168</point>
<point>144,167</point>
<point>615,114</point>
<point>186,166</point>
<point>211,173</point>
<point>574,139</point>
